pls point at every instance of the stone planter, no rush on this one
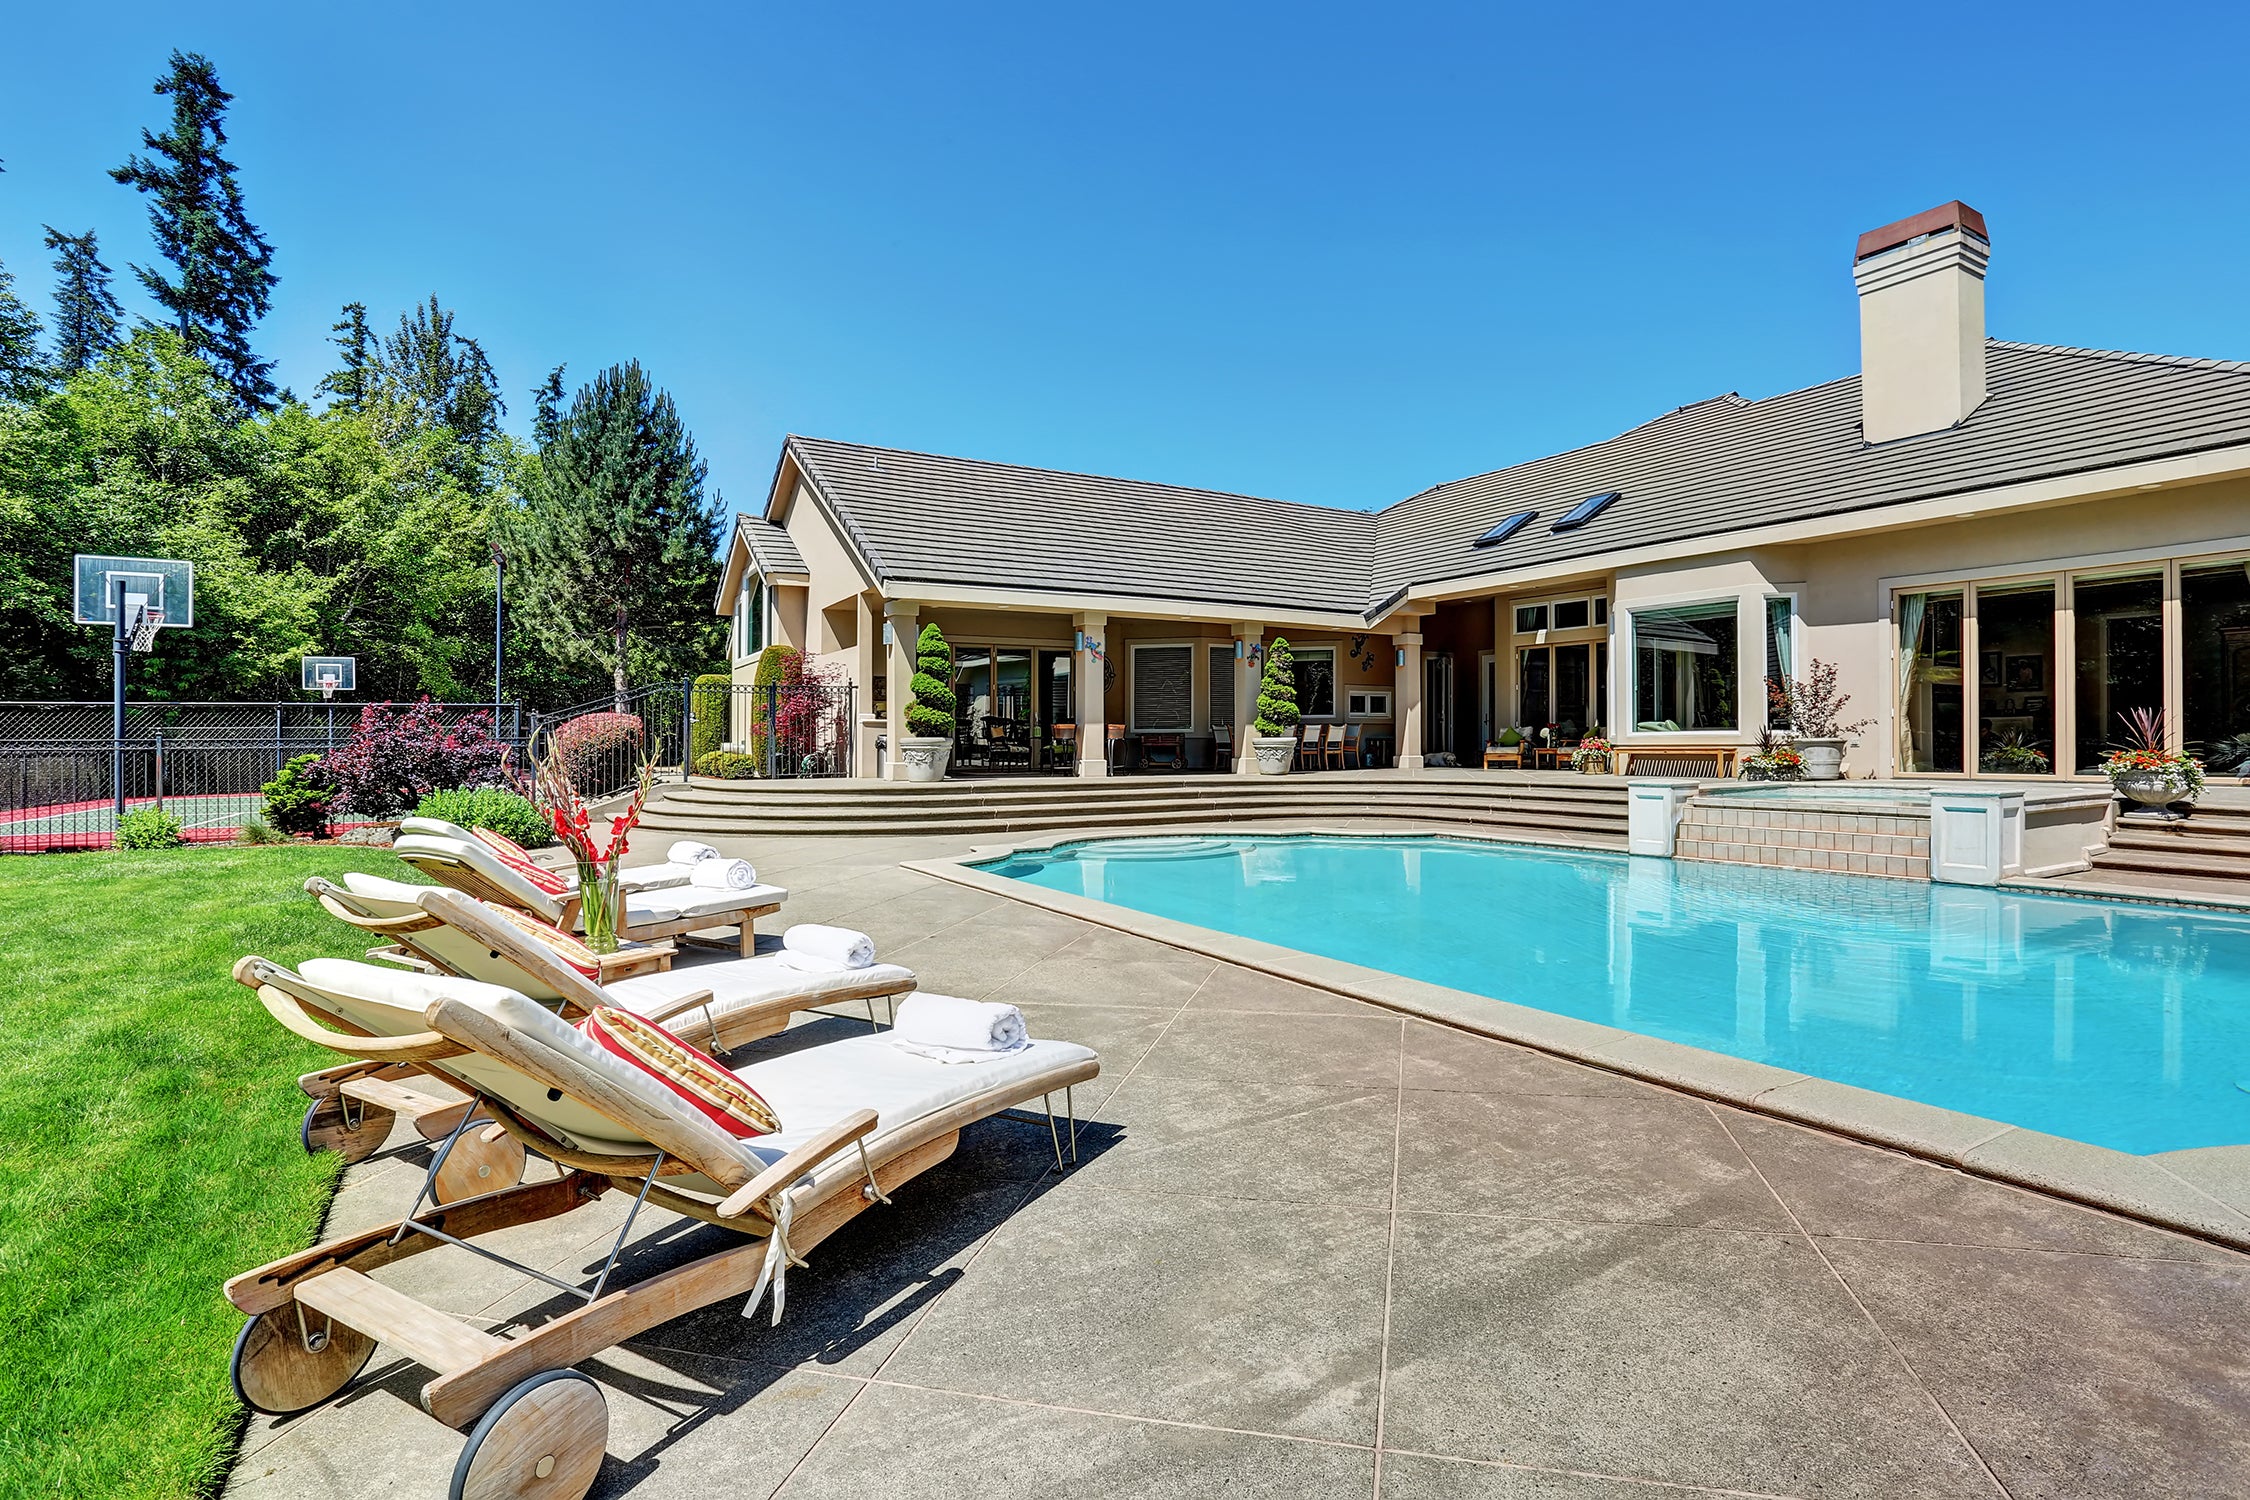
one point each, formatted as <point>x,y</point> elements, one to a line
<point>1824,759</point>
<point>2155,790</point>
<point>1274,756</point>
<point>1592,765</point>
<point>925,757</point>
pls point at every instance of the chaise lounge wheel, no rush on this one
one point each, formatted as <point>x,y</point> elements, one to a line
<point>275,1373</point>
<point>543,1440</point>
<point>327,1129</point>
<point>476,1165</point>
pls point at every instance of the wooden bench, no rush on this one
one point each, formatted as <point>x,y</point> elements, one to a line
<point>1709,763</point>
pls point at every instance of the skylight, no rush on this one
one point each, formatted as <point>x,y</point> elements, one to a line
<point>1585,510</point>
<point>1507,528</point>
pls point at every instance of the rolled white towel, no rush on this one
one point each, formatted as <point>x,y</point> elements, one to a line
<point>841,946</point>
<point>950,1022</point>
<point>722,874</point>
<point>688,851</point>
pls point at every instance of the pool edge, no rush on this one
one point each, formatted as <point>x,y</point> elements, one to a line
<point>2136,1187</point>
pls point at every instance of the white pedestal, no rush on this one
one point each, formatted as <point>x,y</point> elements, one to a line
<point>1652,817</point>
<point>1976,836</point>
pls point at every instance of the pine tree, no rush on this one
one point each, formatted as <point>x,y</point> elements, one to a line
<point>349,381</point>
<point>615,546</point>
<point>225,278</point>
<point>426,374</point>
<point>23,374</point>
<point>546,418</point>
<point>86,314</point>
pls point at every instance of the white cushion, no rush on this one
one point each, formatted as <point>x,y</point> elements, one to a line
<point>379,897</point>
<point>696,901</point>
<point>748,981</point>
<point>436,827</point>
<point>813,1089</point>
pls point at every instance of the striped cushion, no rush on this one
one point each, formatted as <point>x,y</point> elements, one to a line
<point>565,947</point>
<point>720,1097</point>
<point>513,855</point>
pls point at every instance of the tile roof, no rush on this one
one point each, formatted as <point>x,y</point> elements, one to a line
<point>1703,471</point>
<point>774,549</point>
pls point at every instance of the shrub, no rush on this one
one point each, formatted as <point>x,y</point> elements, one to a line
<point>1277,693</point>
<point>931,712</point>
<point>502,811</point>
<point>259,831</point>
<point>297,800</point>
<point>778,664</point>
<point>594,750</point>
<point>713,701</point>
<point>149,828</point>
<point>727,765</point>
<point>1812,704</point>
<point>393,760</point>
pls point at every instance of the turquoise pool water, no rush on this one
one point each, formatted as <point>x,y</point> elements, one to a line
<point>2122,1025</point>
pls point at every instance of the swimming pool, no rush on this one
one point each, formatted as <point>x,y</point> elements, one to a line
<point>2117,1024</point>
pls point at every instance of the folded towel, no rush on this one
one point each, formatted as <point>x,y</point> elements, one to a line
<point>688,851</point>
<point>954,1054</point>
<point>811,963</point>
<point>854,950</point>
<point>723,875</point>
<point>950,1022</point>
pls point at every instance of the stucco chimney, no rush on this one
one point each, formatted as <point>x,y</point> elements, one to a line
<point>1921,321</point>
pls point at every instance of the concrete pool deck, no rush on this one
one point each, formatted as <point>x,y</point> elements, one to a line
<point>1317,1248</point>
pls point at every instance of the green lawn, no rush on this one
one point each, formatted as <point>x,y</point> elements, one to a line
<point>148,1151</point>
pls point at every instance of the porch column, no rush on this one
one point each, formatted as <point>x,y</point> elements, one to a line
<point>900,619</point>
<point>1246,676</point>
<point>1408,685</point>
<point>1093,705</point>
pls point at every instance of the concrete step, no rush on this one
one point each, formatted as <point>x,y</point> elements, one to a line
<point>2231,868</point>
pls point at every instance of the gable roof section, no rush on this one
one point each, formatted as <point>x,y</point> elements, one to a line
<point>1729,465</point>
<point>773,549</point>
<point>922,518</point>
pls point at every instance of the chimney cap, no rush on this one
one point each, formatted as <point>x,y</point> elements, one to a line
<point>1954,215</point>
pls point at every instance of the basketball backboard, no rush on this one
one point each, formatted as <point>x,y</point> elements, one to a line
<point>330,674</point>
<point>163,586</point>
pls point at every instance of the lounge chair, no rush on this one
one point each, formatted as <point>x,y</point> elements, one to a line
<point>1308,746</point>
<point>444,932</point>
<point>859,1118</point>
<point>654,877</point>
<point>471,867</point>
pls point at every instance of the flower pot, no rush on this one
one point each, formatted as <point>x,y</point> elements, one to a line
<point>1274,756</point>
<point>1824,759</point>
<point>2158,789</point>
<point>925,757</point>
<point>1593,765</point>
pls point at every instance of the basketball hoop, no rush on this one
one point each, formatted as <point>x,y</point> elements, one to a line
<point>144,629</point>
<point>328,681</point>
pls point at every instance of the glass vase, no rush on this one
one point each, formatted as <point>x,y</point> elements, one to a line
<point>599,909</point>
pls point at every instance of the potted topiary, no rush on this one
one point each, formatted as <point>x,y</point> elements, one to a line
<point>1273,737</point>
<point>1812,705</point>
<point>927,745</point>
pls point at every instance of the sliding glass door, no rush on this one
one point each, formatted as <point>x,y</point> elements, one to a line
<point>2120,634</point>
<point>1932,736</point>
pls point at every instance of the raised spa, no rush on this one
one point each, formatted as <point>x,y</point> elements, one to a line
<point>2117,1024</point>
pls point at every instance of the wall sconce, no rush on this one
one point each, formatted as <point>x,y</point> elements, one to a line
<point>890,634</point>
<point>1401,656</point>
<point>1241,646</point>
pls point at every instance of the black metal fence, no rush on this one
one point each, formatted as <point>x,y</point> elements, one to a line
<point>725,729</point>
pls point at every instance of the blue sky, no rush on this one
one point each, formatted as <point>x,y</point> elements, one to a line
<point>1328,254</point>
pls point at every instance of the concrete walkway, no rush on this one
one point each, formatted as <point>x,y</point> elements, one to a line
<point>1315,1249</point>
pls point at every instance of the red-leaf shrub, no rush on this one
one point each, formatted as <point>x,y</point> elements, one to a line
<point>600,752</point>
<point>395,759</point>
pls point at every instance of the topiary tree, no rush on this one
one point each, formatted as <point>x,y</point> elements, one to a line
<point>778,667</point>
<point>713,697</point>
<point>1277,693</point>
<point>930,713</point>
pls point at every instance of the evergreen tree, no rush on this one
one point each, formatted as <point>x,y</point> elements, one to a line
<point>225,278</point>
<point>349,381</point>
<point>615,545</point>
<point>426,374</point>
<point>23,374</point>
<point>546,419</point>
<point>86,314</point>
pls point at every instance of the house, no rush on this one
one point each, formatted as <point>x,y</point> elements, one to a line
<point>2002,547</point>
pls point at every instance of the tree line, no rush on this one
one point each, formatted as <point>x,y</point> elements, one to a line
<point>360,522</point>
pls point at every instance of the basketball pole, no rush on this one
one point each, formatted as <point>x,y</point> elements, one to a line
<point>118,656</point>
<point>499,626</point>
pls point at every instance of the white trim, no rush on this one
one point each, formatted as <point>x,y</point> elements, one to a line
<point>1625,684</point>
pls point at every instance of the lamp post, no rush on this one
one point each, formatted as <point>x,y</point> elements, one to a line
<point>499,624</point>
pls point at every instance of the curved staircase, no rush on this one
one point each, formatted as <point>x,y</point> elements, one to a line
<point>1585,812</point>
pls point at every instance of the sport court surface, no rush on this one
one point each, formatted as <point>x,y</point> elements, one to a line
<point>1314,1249</point>
<point>66,825</point>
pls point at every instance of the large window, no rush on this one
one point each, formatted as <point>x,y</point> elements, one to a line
<point>1781,657</point>
<point>1687,667</point>
<point>1163,687</point>
<point>1932,728</point>
<point>2120,624</point>
<point>2215,631</point>
<point>1316,682</point>
<point>2016,678</point>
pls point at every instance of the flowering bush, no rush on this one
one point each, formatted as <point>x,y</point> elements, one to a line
<point>1593,751</point>
<point>595,749</point>
<point>1777,762</point>
<point>393,759</point>
<point>2145,754</point>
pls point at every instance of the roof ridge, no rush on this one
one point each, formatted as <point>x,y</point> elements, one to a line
<point>2133,356</point>
<point>1159,484</point>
